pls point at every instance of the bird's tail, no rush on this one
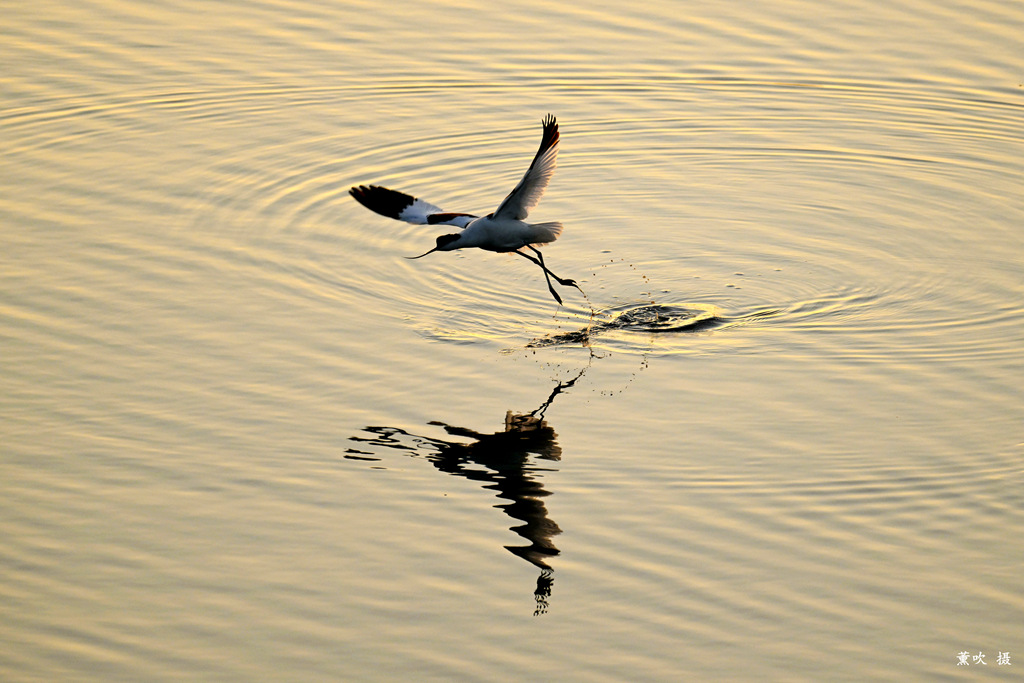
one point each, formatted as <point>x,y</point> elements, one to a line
<point>546,232</point>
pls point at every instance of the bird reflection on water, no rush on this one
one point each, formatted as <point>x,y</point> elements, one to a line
<point>506,458</point>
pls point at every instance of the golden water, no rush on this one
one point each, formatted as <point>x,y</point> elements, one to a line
<point>241,438</point>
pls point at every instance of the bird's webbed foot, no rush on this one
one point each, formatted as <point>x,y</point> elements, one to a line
<point>568,282</point>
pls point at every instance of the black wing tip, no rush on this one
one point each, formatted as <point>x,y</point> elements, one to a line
<point>361,192</point>
<point>550,135</point>
<point>381,200</point>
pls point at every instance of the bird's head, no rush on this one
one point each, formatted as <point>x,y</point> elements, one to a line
<point>444,243</point>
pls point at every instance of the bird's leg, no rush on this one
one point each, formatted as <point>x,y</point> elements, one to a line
<point>551,287</point>
<point>565,282</point>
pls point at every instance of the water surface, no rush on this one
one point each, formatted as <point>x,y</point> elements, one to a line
<point>780,438</point>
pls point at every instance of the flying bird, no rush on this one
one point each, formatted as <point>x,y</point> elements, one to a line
<point>504,230</point>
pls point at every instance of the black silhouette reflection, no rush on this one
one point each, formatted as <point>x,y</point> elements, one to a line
<point>503,462</point>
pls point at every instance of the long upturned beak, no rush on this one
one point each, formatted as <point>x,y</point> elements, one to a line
<point>422,255</point>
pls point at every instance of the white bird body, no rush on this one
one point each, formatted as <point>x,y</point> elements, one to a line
<point>503,234</point>
<point>504,230</point>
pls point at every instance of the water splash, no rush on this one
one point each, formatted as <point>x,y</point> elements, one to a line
<point>650,318</point>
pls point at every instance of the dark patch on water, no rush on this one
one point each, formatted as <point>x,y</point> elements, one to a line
<point>651,318</point>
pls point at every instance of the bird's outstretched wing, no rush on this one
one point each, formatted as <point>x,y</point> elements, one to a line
<point>403,207</point>
<point>528,192</point>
